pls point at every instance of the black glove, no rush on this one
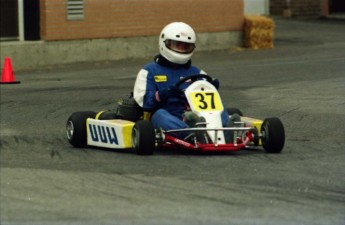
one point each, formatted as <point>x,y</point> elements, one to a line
<point>171,91</point>
<point>215,83</point>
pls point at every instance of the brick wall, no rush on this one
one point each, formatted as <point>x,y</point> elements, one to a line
<point>299,8</point>
<point>130,18</point>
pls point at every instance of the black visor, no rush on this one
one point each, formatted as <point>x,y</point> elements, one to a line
<point>179,46</point>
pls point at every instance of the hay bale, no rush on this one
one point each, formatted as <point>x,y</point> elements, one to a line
<point>258,32</point>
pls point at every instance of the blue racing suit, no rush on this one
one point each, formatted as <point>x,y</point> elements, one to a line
<point>159,75</point>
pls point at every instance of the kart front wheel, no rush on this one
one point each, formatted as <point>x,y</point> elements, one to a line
<point>76,128</point>
<point>273,135</point>
<point>143,137</point>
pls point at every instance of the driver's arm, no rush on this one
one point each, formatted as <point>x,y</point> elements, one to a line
<point>144,91</point>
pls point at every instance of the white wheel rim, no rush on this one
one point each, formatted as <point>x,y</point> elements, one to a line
<point>70,130</point>
<point>135,138</point>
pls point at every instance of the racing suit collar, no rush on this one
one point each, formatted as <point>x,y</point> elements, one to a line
<point>166,63</point>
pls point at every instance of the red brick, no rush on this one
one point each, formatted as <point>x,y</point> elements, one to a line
<point>127,18</point>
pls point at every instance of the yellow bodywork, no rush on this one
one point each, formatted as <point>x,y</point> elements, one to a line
<point>109,133</point>
<point>251,122</point>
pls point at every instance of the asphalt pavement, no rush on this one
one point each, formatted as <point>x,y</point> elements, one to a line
<point>44,180</point>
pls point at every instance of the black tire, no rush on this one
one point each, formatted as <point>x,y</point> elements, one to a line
<point>273,135</point>
<point>143,137</point>
<point>76,128</point>
<point>232,111</point>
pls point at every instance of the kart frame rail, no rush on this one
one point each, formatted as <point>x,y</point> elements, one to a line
<point>238,143</point>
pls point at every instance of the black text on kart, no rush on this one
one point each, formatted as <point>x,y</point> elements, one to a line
<point>125,128</point>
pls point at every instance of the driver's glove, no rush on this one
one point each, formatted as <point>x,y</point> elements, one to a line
<point>215,83</point>
<point>171,91</point>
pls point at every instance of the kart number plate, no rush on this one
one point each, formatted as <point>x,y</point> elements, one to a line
<point>206,101</point>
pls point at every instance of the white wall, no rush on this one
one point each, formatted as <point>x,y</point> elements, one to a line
<point>256,7</point>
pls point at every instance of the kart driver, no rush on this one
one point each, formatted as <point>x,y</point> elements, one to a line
<point>154,88</point>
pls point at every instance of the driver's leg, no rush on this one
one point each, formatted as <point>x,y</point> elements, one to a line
<point>162,119</point>
<point>229,135</point>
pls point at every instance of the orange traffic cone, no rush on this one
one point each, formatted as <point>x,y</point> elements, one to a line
<point>7,76</point>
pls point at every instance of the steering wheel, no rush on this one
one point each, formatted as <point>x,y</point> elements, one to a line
<point>194,78</point>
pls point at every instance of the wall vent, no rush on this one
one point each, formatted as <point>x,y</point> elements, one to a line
<point>75,9</point>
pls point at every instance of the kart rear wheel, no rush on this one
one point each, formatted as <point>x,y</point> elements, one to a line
<point>76,128</point>
<point>232,111</point>
<point>273,135</point>
<point>143,137</point>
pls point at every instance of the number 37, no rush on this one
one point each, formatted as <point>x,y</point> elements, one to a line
<point>206,101</point>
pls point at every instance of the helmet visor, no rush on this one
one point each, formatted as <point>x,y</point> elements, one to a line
<point>179,46</point>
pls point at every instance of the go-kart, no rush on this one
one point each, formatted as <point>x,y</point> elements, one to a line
<point>126,128</point>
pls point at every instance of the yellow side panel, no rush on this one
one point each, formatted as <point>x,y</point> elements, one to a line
<point>127,135</point>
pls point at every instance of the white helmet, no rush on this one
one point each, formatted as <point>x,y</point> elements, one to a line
<point>177,42</point>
